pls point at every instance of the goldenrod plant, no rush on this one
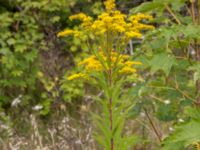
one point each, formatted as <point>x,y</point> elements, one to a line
<point>108,68</point>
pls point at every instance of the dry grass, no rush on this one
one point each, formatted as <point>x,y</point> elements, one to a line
<point>66,133</point>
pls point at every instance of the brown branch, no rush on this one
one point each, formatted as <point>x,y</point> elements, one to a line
<point>172,14</point>
<point>198,9</point>
<point>193,11</point>
<point>153,126</point>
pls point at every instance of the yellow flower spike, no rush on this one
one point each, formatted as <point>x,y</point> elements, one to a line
<point>131,34</point>
<point>68,32</point>
<point>77,34</point>
<point>91,64</point>
<point>144,27</point>
<point>78,76</point>
<point>86,20</point>
<point>129,63</point>
<point>127,70</point>
<point>124,57</point>
<point>140,17</point>
<point>110,21</point>
<point>119,28</point>
<point>110,5</point>
<point>87,60</point>
<point>114,23</point>
<point>80,16</point>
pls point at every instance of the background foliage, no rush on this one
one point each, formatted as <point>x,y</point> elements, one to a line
<point>34,65</point>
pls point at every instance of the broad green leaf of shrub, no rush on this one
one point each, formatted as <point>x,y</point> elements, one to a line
<point>158,6</point>
<point>162,62</point>
<point>191,31</point>
<point>185,134</point>
<point>148,7</point>
<point>176,4</point>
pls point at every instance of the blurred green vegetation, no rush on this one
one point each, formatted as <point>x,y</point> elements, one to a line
<point>34,65</point>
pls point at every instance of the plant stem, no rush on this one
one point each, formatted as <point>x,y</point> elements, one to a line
<point>110,110</point>
<point>197,48</point>
<point>173,15</point>
<point>193,12</point>
<point>198,9</point>
<point>153,126</point>
<point>111,123</point>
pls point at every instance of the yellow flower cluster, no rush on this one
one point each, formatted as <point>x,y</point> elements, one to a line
<point>127,70</point>
<point>139,17</point>
<point>78,76</point>
<point>68,32</point>
<point>128,67</point>
<point>93,64</point>
<point>111,26</point>
<point>113,22</point>
<point>86,20</point>
<point>107,22</point>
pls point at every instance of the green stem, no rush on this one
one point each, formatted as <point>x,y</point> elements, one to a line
<point>110,110</point>
<point>111,123</point>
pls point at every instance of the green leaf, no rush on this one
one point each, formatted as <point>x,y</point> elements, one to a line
<point>17,73</point>
<point>158,6</point>
<point>193,113</point>
<point>184,134</point>
<point>148,7</point>
<point>11,41</point>
<point>167,112</point>
<point>55,19</point>
<point>191,31</point>
<point>20,48</point>
<point>31,56</point>
<point>176,4</point>
<point>130,141</point>
<point>162,62</point>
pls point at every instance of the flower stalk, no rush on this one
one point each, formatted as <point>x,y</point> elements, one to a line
<point>110,110</point>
